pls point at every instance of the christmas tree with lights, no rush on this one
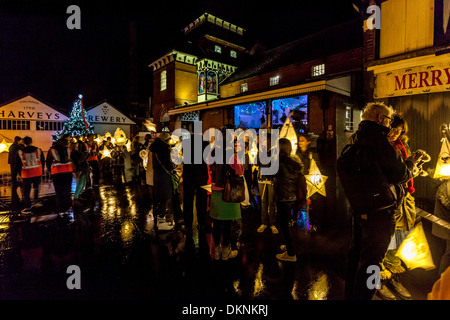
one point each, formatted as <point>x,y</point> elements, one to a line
<point>77,125</point>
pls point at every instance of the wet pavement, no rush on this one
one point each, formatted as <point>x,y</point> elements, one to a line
<point>112,239</point>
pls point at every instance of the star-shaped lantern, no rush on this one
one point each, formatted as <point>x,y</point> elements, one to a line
<point>4,146</point>
<point>105,153</point>
<point>315,181</point>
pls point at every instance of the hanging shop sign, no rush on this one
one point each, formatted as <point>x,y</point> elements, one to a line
<point>106,113</point>
<point>429,78</point>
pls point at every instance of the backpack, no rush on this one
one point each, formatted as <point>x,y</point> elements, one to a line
<point>364,182</point>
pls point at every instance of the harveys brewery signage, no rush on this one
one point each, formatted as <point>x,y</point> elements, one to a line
<point>107,114</point>
<point>428,78</point>
<point>29,108</point>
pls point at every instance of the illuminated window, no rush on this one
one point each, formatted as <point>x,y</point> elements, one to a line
<point>349,118</point>
<point>274,80</point>
<point>244,87</point>
<point>318,70</point>
<point>217,49</point>
<point>15,125</point>
<point>49,125</point>
<point>233,54</point>
<point>163,80</point>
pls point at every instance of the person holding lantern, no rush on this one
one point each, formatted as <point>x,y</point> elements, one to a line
<point>370,169</point>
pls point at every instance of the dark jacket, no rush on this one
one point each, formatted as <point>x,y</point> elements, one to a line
<point>13,156</point>
<point>195,173</point>
<point>162,165</point>
<point>442,210</point>
<point>373,181</point>
<point>286,179</point>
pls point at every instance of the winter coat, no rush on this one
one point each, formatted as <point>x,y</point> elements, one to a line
<point>442,210</point>
<point>374,182</point>
<point>161,166</point>
<point>195,173</point>
<point>286,179</point>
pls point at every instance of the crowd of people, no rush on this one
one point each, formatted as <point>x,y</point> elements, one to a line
<point>376,168</point>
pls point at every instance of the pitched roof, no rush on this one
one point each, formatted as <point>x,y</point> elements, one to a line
<point>330,41</point>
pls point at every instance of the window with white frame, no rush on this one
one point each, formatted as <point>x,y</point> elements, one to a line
<point>318,70</point>
<point>163,80</point>
<point>244,87</point>
<point>274,80</point>
<point>348,118</point>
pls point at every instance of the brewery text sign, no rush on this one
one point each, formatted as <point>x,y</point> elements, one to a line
<point>106,113</point>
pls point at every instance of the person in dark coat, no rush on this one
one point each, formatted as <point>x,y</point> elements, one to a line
<point>15,165</point>
<point>442,211</point>
<point>286,194</point>
<point>370,187</point>
<point>195,176</point>
<point>163,190</point>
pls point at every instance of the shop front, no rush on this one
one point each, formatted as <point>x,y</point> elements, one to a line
<point>419,88</point>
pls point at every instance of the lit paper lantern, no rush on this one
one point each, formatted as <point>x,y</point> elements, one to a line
<point>120,137</point>
<point>4,146</point>
<point>315,181</point>
<point>415,251</point>
<point>144,155</point>
<point>150,125</point>
<point>105,153</point>
<point>288,131</point>
<point>443,164</point>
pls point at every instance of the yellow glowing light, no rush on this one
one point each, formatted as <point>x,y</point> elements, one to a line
<point>315,181</point>
<point>105,153</point>
<point>120,138</point>
<point>443,164</point>
<point>287,131</point>
<point>4,146</point>
<point>150,125</point>
<point>319,288</point>
<point>415,251</point>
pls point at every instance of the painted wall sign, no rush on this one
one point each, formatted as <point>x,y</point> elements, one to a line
<point>29,108</point>
<point>415,80</point>
<point>106,113</point>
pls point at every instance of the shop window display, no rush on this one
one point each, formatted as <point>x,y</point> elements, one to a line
<point>294,107</point>
<point>251,115</point>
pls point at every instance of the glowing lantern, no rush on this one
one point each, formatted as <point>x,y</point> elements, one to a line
<point>443,164</point>
<point>315,181</point>
<point>128,145</point>
<point>4,146</point>
<point>288,131</point>
<point>144,155</point>
<point>105,153</point>
<point>120,137</point>
<point>150,125</point>
<point>415,251</point>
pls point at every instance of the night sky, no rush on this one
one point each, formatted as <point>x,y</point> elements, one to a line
<point>40,55</point>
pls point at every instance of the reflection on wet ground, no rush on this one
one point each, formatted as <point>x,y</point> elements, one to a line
<point>113,240</point>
